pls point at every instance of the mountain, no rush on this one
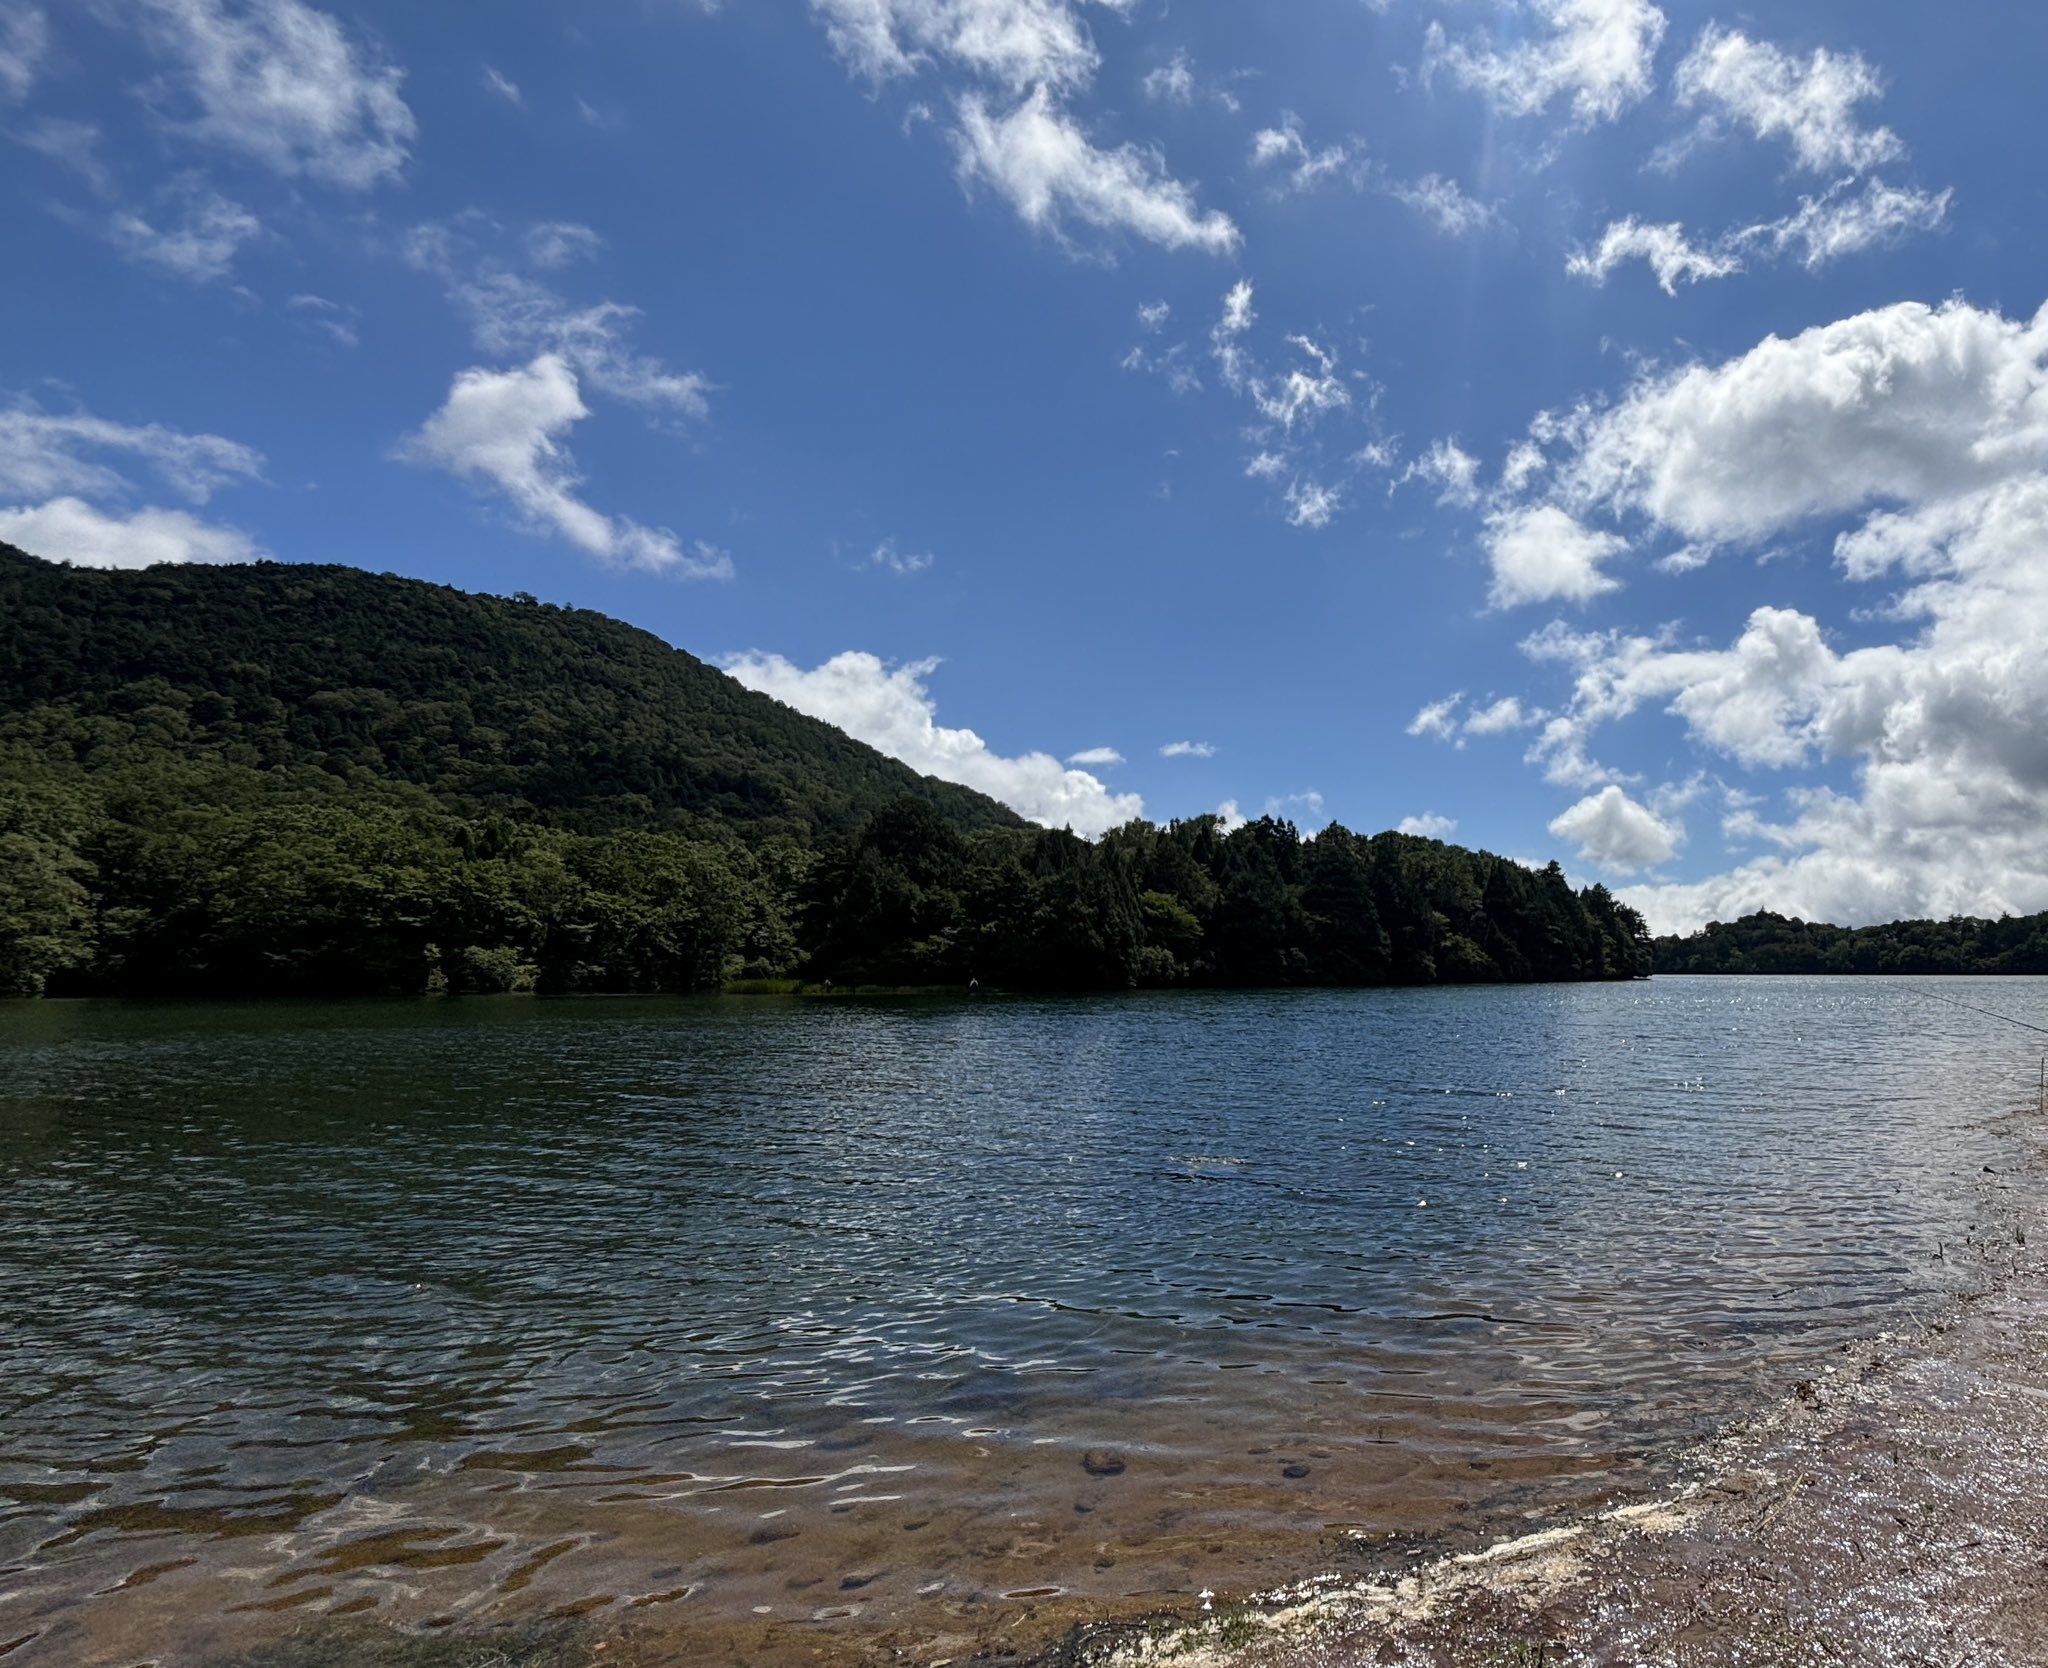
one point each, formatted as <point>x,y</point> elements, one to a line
<point>271,779</point>
<point>494,704</point>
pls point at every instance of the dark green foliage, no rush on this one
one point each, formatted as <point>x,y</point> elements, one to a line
<point>1767,943</point>
<point>1192,904</point>
<point>492,704</point>
<point>276,780</point>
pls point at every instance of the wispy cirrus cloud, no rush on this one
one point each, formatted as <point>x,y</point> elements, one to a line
<point>504,428</point>
<point>24,44</point>
<point>1812,105</point>
<point>1014,67</point>
<point>72,476</point>
<point>1445,204</point>
<point>1289,402</point>
<point>1286,151</point>
<point>281,83</point>
<point>1809,103</point>
<point>513,314</point>
<point>192,231</point>
<point>891,557</point>
<point>1597,56</point>
<point>45,453</point>
<point>1839,222</point>
<point>1038,157</point>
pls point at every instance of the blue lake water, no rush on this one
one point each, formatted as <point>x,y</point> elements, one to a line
<point>777,1322</point>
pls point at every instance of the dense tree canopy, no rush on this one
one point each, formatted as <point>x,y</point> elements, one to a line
<point>275,779</point>
<point>1767,943</point>
<point>491,703</point>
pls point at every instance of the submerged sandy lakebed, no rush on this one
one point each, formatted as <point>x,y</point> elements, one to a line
<point>1893,1510</point>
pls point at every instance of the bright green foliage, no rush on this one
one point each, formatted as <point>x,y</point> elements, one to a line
<point>276,780</point>
<point>1767,943</point>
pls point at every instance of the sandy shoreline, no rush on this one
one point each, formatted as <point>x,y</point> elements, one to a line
<point>1893,1511</point>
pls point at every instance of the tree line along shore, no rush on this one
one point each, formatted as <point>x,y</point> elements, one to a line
<point>1768,943</point>
<point>285,779</point>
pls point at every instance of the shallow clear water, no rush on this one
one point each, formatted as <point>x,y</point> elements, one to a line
<point>819,1318</point>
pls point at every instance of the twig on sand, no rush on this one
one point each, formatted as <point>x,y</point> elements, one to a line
<point>1770,1517</point>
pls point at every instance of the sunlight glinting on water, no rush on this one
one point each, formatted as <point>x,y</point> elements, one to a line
<point>496,1308</point>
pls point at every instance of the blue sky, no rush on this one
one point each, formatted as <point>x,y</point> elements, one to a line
<point>1578,427</point>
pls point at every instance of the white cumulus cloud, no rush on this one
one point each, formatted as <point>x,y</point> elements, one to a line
<point>1901,404</point>
<point>1912,441</point>
<point>1428,826</point>
<point>1541,553</point>
<point>70,530</point>
<point>1439,719</point>
<point>1499,717</point>
<point>1188,750</point>
<point>892,710</point>
<point>1613,831</point>
<point>1449,720</point>
<point>506,429</point>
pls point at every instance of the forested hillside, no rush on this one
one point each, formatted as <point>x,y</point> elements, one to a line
<point>1767,943</point>
<point>493,704</point>
<point>277,779</point>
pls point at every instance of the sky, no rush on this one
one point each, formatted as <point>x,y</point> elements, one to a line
<point>1588,429</point>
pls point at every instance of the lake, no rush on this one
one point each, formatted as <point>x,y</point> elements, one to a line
<point>790,1325</point>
